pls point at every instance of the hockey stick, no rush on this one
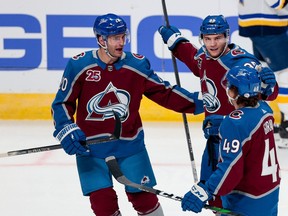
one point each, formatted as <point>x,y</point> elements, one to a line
<point>192,159</point>
<point>114,136</point>
<point>121,178</point>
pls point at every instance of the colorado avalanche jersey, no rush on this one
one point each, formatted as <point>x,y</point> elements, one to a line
<point>248,175</point>
<point>212,73</point>
<point>93,90</point>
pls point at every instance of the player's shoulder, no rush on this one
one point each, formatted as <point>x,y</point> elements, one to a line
<point>252,115</point>
<point>82,55</point>
<point>137,61</point>
<point>239,56</point>
<point>236,50</point>
<point>135,57</point>
<point>200,52</point>
<point>78,62</point>
<point>235,117</point>
<point>83,58</point>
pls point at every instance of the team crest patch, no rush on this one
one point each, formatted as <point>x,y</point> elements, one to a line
<point>236,114</point>
<point>236,52</point>
<point>138,56</point>
<point>145,180</point>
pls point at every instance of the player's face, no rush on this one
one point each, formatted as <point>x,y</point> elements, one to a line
<point>115,44</point>
<point>215,44</point>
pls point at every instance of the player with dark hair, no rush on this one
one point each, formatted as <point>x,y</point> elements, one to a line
<point>210,63</point>
<point>95,85</point>
<point>248,174</point>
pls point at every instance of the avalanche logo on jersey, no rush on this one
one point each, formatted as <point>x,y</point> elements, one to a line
<point>210,100</point>
<point>145,180</point>
<point>137,56</point>
<point>236,114</point>
<point>100,106</point>
<point>236,52</point>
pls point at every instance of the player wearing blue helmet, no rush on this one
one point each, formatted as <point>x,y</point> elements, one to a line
<point>246,80</point>
<point>109,29</point>
<point>214,28</point>
<point>211,63</point>
<point>248,174</point>
<point>95,85</point>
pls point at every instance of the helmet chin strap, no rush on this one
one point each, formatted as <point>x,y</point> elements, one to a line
<point>106,50</point>
<point>230,99</point>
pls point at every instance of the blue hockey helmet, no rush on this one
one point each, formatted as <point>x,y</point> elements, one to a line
<point>245,79</point>
<point>109,24</point>
<point>214,24</point>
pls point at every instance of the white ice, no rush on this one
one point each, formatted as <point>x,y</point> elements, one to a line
<point>47,183</point>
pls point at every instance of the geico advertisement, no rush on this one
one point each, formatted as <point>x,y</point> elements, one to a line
<point>38,38</point>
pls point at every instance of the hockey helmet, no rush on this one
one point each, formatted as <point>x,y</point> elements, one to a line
<point>245,79</point>
<point>109,24</point>
<point>214,24</point>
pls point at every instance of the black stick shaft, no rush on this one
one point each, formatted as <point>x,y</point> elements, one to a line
<point>114,136</point>
<point>188,137</point>
<point>121,178</point>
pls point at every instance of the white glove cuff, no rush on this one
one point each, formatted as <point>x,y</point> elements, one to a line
<point>173,38</point>
<point>199,192</point>
<point>66,130</point>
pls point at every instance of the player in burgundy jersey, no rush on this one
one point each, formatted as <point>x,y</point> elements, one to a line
<point>210,63</point>
<point>95,85</point>
<point>248,174</point>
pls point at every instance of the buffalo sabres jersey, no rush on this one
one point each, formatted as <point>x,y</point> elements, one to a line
<point>212,73</point>
<point>93,90</point>
<point>247,177</point>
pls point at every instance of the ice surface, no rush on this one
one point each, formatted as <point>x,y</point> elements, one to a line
<point>47,183</point>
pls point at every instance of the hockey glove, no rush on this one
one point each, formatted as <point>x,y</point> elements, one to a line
<point>171,36</point>
<point>73,140</point>
<point>268,81</point>
<point>211,125</point>
<point>195,199</point>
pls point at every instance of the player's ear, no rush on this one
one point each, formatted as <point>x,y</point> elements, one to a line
<point>101,40</point>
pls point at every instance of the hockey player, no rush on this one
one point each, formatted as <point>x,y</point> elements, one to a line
<point>97,83</point>
<point>210,63</point>
<point>247,177</point>
<point>265,22</point>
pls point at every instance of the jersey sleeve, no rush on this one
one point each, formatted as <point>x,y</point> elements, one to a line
<point>64,104</point>
<point>171,97</point>
<point>230,168</point>
<point>185,52</point>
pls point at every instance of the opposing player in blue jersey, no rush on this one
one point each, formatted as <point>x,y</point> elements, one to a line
<point>247,177</point>
<point>97,83</point>
<point>210,63</point>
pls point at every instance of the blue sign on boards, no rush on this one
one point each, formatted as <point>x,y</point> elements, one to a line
<point>56,41</point>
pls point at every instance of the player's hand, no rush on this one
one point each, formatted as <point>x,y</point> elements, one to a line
<point>268,79</point>
<point>73,140</point>
<point>211,125</point>
<point>171,36</point>
<point>196,198</point>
